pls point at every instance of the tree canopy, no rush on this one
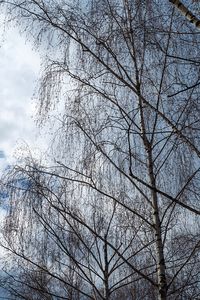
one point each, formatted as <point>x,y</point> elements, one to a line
<point>114,213</point>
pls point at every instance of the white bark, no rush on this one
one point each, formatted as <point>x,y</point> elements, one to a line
<point>186,12</point>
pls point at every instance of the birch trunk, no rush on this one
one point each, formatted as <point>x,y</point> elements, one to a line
<point>160,259</point>
<point>186,12</point>
<point>162,283</point>
<point>106,272</point>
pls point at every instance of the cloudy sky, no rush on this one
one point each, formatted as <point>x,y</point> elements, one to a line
<point>19,71</point>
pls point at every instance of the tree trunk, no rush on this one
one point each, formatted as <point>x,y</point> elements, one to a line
<point>160,259</point>
<point>106,270</point>
<point>186,13</point>
<point>162,283</point>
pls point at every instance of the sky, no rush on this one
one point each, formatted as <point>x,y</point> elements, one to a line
<point>19,73</point>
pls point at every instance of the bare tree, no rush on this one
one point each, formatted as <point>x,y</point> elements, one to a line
<point>121,196</point>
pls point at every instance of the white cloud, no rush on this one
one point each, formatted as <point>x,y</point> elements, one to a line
<point>19,70</point>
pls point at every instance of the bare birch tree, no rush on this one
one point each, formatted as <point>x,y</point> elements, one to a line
<point>118,209</point>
